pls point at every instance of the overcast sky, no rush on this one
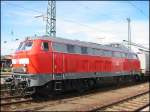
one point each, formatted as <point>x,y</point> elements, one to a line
<point>94,21</point>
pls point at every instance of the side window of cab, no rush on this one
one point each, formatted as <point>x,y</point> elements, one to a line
<point>45,46</point>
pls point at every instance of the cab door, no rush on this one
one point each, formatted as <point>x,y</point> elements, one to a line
<point>58,62</point>
<point>45,57</point>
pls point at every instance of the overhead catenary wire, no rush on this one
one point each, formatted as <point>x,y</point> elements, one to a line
<point>101,15</point>
<point>67,20</point>
<point>140,10</point>
<point>137,8</point>
<point>137,45</point>
<point>85,25</point>
<point>25,8</point>
<point>42,15</point>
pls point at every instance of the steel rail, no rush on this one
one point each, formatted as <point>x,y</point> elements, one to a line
<point>16,102</point>
<point>121,101</point>
<point>11,97</point>
<point>142,107</point>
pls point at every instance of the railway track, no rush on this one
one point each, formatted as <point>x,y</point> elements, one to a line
<point>8,93</point>
<point>9,98</point>
<point>133,103</point>
<point>13,101</point>
<point>31,105</point>
<point>65,103</point>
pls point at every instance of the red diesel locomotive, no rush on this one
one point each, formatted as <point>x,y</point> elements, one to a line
<point>45,64</point>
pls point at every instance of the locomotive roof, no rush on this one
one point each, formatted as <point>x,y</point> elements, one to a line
<point>82,43</point>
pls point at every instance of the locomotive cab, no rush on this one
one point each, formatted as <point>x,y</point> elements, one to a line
<point>29,60</point>
<point>28,57</point>
<point>20,59</point>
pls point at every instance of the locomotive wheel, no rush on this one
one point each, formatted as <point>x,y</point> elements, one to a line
<point>137,78</point>
<point>80,86</point>
<point>74,84</point>
<point>118,80</point>
<point>91,83</point>
<point>36,94</point>
<point>41,92</point>
<point>68,85</point>
<point>86,85</point>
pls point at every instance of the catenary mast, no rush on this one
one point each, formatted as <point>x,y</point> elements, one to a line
<point>51,18</point>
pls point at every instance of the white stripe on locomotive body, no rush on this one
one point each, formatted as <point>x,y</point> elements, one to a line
<point>20,61</point>
<point>24,61</point>
<point>14,61</point>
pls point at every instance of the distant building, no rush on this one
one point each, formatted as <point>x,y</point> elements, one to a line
<point>5,61</point>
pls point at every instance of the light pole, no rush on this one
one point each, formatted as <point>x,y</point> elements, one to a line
<point>129,34</point>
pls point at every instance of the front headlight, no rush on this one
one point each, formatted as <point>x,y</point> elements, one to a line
<point>24,69</point>
<point>12,69</point>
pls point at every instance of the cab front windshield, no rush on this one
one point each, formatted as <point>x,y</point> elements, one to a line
<point>27,45</point>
